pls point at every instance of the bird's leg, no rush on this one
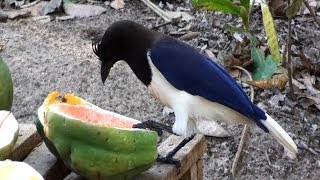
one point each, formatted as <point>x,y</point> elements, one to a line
<point>156,126</point>
<point>168,158</point>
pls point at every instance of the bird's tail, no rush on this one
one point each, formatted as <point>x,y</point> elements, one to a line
<point>280,134</point>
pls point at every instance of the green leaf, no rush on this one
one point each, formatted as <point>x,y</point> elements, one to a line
<point>264,68</point>
<point>245,4</point>
<point>225,6</point>
<point>253,41</point>
<point>293,8</point>
<point>244,16</point>
<point>271,32</point>
<point>233,29</point>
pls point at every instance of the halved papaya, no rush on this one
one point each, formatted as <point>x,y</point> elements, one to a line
<point>13,170</point>
<point>96,143</point>
<point>9,131</point>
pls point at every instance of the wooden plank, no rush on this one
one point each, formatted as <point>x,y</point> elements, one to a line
<point>73,176</point>
<point>200,169</point>
<point>47,164</point>
<point>28,139</point>
<point>188,155</point>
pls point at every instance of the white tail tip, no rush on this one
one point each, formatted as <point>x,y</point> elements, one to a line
<point>280,134</point>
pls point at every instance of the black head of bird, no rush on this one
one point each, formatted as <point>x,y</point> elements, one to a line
<point>128,41</point>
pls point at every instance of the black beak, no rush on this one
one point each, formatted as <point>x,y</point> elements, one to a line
<point>105,69</point>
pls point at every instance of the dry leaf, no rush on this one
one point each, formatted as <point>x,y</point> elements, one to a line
<point>306,62</point>
<point>316,99</point>
<point>308,100</point>
<point>21,13</point>
<point>177,15</point>
<point>308,82</point>
<point>276,99</point>
<point>235,73</point>
<point>277,81</point>
<point>117,4</point>
<point>278,7</point>
<point>44,7</point>
<point>312,3</point>
<point>3,16</point>
<point>82,10</point>
<point>211,128</point>
<point>166,111</point>
<point>298,84</point>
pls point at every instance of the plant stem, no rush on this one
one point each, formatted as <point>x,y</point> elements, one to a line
<point>312,12</point>
<point>289,63</point>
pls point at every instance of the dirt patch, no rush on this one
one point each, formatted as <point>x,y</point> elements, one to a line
<point>58,56</point>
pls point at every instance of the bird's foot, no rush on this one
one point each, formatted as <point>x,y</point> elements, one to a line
<point>155,126</point>
<point>168,158</point>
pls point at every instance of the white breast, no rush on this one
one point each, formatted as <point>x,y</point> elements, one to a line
<point>189,108</point>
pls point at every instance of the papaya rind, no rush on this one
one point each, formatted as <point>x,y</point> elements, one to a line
<point>99,152</point>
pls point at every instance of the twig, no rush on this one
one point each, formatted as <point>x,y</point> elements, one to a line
<point>161,25</point>
<point>245,131</point>
<point>189,36</point>
<point>289,63</point>
<point>30,4</point>
<point>157,10</point>
<point>312,12</point>
<point>237,158</point>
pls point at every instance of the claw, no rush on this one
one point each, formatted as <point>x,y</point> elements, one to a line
<point>169,160</point>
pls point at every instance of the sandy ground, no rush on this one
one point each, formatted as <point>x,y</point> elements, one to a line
<point>58,56</point>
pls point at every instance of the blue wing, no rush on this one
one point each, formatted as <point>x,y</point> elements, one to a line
<point>188,70</point>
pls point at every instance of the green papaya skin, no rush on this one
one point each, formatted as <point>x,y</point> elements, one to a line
<point>6,87</point>
<point>99,152</point>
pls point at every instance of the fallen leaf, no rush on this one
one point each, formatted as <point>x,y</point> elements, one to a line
<point>117,4</point>
<point>275,100</point>
<point>314,6</point>
<point>308,82</point>
<point>189,36</point>
<point>306,62</point>
<point>184,16</point>
<point>42,19</point>
<point>298,84</point>
<point>211,128</point>
<point>166,111</point>
<point>316,99</point>
<point>235,73</point>
<point>277,81</point>
<point>44,7</point>
<point>82,10</point>
<point>307,100</point>
<point>21,13</point>
<point>278,7</point>
<point>3,16</point>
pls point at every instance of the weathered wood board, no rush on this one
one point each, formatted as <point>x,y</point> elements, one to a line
<point>30,149</point>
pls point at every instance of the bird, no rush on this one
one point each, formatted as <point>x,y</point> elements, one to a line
<point>185,80</point>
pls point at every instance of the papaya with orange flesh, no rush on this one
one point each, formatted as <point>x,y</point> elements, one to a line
<point>98,144</point>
